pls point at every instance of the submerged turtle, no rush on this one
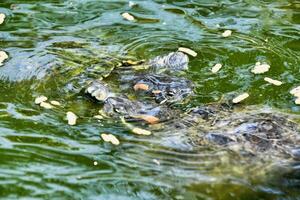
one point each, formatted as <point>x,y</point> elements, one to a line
<point>250,133</point>
<point>98,91</point>
<point>118,106</point>
<point>164,88</point>
<point>265,135</point>
<point>174,61</point>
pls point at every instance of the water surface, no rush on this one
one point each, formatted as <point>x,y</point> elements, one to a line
<point>55,45</point>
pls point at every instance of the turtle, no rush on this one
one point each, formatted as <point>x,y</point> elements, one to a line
<point>122,106</point>
<point>163,88</point>
<point>249,133</point>
<point>98,91</point>
<point>172,62</point>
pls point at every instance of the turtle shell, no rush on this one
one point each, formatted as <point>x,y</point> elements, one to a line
<point>175,61</point>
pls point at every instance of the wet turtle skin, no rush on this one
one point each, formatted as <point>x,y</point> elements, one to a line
<point>165,88</point>
<point>250,133</point>
<point>263,132</point>
<point>98,91</point>
<point>162,87</point>
<point>121,106</point>
<point>117,106</point>
<point>175,61</point>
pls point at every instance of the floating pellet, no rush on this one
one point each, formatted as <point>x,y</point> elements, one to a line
<point>55,103</point>
<point>216,68</point>
<point>140,131</point>
<point>295,91</point>
<point>240,98</point>
<point>260,68</point>
<point>272,81</point>
<point>110,138</point>
<point>2,18</point>
<point>128,16</point>
<point>156,161</point>
<point>187,51</point>
<point>72,118</point>
<point>135,130</point>
<point>46,105</point>
<point>98,117</point>
<point>297,94</point>
<point>40,99</point>
<point>227,33</point>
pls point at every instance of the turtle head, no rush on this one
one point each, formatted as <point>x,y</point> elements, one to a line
<point>98,91</point>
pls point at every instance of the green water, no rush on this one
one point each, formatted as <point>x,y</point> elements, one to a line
<point>52,45</point>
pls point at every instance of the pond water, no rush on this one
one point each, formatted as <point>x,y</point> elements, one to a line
<point>55,45</point>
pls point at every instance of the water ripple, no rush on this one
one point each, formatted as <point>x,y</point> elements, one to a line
<point>56,47</point>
